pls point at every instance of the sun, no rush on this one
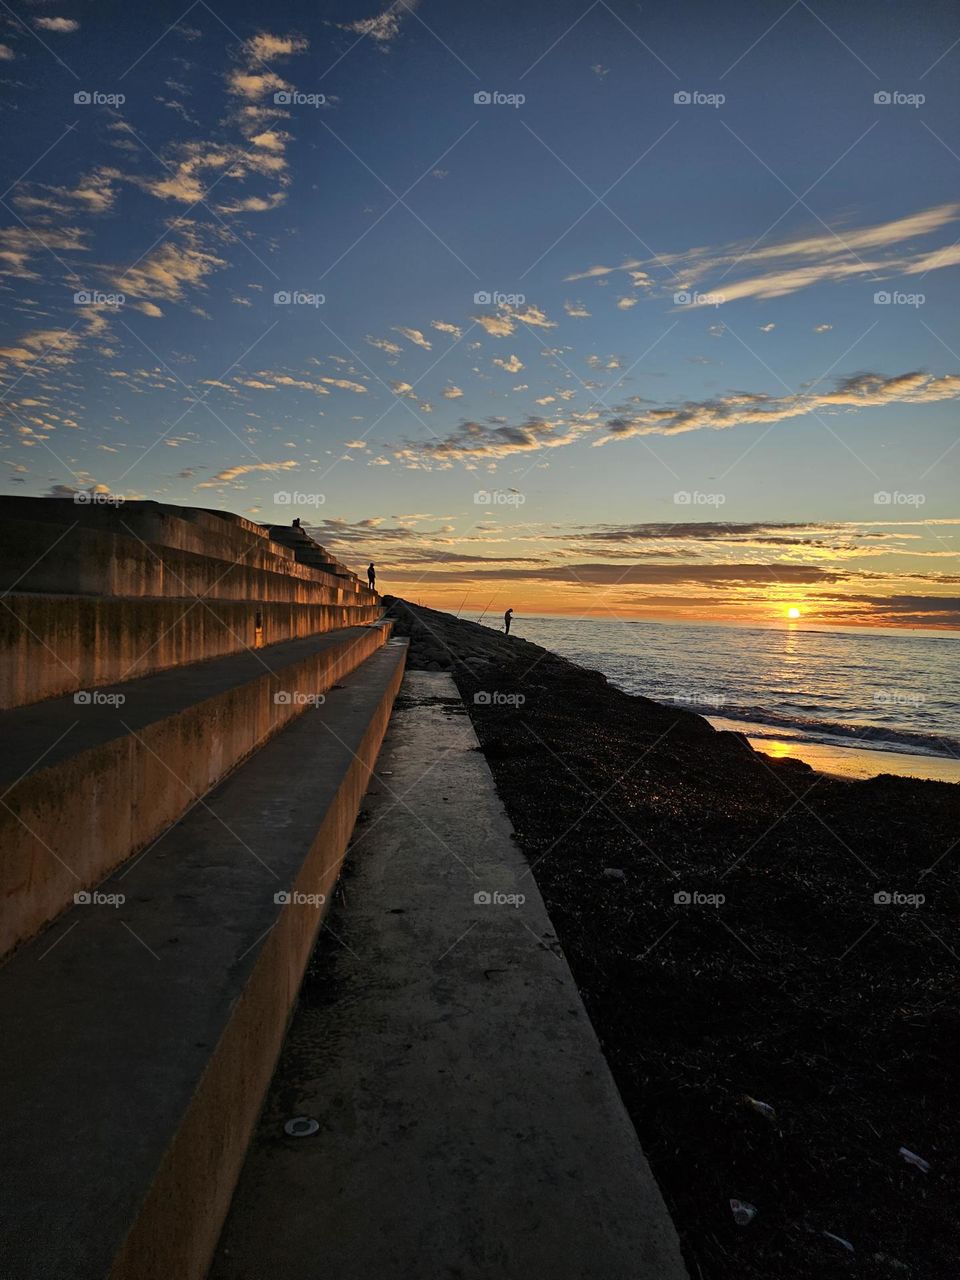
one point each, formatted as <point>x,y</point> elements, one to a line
<point>793,612</point>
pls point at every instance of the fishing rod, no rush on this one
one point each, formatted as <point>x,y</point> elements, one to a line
<point>462,602</point>
<point>484,614</point>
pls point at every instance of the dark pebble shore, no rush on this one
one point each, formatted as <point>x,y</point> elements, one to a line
<point>799,990</point>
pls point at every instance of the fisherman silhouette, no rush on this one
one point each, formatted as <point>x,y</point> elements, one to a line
<point>372,576</point>
<point>507,619</point>
<point>296,523</point>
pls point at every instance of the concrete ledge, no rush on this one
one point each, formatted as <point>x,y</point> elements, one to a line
<point>220,534</point>
<point>469,1125</point>
<point>53,644</point>
<point>37,556</point>
<point>102,780</point>
<point>146,1033</point>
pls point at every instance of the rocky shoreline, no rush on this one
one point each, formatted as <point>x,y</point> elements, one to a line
<point>743,931</point>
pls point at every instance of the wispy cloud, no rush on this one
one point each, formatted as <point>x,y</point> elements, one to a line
<point>21,246</point>
<point>504,321</point>
<point>229,474</point>
<point>176,267</point>
<point>415,336</point>
<point>383,27</point>
<point>773,270</point>
<point>858,392</point>
<point>493,440</point>
<point>384,344</point>
<point>443,327</point>
<point>64,26</point>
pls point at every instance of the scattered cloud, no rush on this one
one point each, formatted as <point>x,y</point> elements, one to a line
<point>265,46</point>
<point>384,344</point>
<point>533,316</point>
<point>53,347</point>
<point>65,26</point>
<point>345,385</point>
<point>169,272</point>
<point>497,326</point>
<point>442,327</point>
<point>504,321</point>
<point>229,474</point>
<point>511,365</point>
<point>384,27</point>
<point>593,273</point>
<point>94,193</point>
<point>414,336</point>
<point>252,85</point>
<point>21,246</point>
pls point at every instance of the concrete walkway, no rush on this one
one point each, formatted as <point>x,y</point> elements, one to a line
<point>468,1124</point>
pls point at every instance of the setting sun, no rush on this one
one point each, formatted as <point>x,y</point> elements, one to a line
<point>793,612</point>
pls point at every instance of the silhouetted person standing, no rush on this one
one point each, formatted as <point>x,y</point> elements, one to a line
<point>507,619</point>
<point>372,576</point>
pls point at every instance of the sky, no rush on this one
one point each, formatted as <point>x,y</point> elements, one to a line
<point>589,308</point>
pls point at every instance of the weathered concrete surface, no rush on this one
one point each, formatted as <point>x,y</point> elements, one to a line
<point>37,555</point>
<point>88,785</point>
<point>142,1037</point>
<point>220,534</point>
<point>469,1125</point>
<point>54,644</point>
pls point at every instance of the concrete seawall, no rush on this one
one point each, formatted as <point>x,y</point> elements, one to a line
<point>196,706</point>
<point>55,644</point>
<point>112,777</point>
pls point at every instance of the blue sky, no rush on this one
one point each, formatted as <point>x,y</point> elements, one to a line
<point>691,371</point>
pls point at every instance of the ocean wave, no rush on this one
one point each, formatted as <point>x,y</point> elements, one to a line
<point>830,732</point>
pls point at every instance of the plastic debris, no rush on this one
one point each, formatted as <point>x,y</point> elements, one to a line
<point>840,1240</point>
<point>301,1127</point>
<point>614,873</point>
<point>743,1212</point>
<point>918,1162</point>
<point>764,1108</point>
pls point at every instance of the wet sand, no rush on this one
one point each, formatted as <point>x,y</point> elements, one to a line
<point>844,761</point>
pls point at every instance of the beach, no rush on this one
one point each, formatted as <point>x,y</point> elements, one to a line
<point>843,759</point>
<point>744,930</point>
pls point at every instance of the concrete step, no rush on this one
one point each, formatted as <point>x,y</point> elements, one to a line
<point>469,1125</point>
<point>219,534</point>
<point>42,556</point>
<point>93,780</point>
<point>56,644</point>
<point>302,545</point>
<point>142,1035</point>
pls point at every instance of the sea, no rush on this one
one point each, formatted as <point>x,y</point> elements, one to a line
<point>852,702</point>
